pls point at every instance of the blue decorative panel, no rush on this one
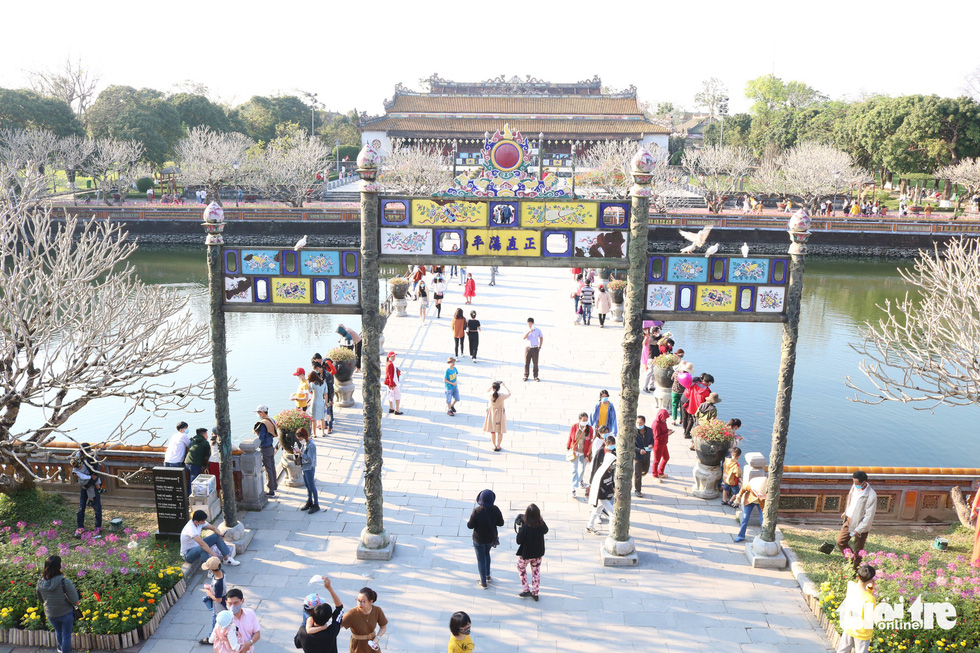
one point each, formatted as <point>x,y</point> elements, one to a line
<point>614,215</point>
<point>319,263</point>
<point>450,242</point>
<point>748,270</point>
<point>687,269</point>
<point>556,243</point>
<point>394,213</point>
<point>261,261</point>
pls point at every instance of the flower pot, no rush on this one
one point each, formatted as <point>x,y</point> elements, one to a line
<point>398,291</point>
<point>662,376</point>
<point>617,295</point>
<point>711,452</point>
<point>345,370</point>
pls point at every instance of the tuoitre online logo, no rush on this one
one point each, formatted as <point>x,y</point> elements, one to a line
<point>894,616</point>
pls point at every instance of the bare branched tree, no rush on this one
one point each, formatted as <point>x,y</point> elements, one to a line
<point>286,170</point>
<point>413,170</point>
<point>77,326</point>
<point>207,158</point>
<point>606,166</point>
<point>966,173</point>
<point>812,171</point>
<point>115,165</point>
<point>712,95</point>
<point>718,170</point>
<point>925,351</point>
<point>73,153</point>
<point>769,180</point>
<point>973,83</point>
<point>74,84</point>
<point>27,162</point>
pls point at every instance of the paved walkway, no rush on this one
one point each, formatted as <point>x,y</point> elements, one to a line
<point>693,590</point>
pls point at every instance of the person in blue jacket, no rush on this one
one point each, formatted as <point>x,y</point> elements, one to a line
<point>604,414</point>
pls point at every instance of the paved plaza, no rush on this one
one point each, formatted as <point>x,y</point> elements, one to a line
<point>693,590</point>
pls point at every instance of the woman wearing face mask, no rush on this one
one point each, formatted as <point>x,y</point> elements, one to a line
<point>602,487</point>
<point>459,626</point>
<point>362,620</point>
<point>604,414</point>
<point>579,449</point>
<point>214,590</point>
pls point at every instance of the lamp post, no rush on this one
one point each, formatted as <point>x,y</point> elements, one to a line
<point>235,165</point>
<point>337,145</point>
<point>214,225</point>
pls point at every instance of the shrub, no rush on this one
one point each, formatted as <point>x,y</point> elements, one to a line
<point>617,285</point>
<point>288,422</point>
<point>340,355</point>
<point>398,281</point>
<point>666,361</point>
<point>144,184</point>
<point>714,430</point>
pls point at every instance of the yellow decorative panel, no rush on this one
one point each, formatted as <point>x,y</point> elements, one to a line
<point>503,242</point>
<point>715,298</point>
<point>579,215</point>
<point>290,290</point>
<point>430,213</point>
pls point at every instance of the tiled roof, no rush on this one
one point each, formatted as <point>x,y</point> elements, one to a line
<point>534,104</point>
<point>472,127</point>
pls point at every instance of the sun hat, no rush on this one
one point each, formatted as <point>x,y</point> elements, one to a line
<point>687,366</point>
<point>450,360</point>
<point>713,398</point>
<point>211,564</point>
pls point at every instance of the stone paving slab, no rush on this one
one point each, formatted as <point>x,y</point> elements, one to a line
<point>693,590</point>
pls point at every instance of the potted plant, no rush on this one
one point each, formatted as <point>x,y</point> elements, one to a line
<point>288,422</point>
<point>616,289</point>
<point>343,359</point>
<point>712,440</point>
<point>663,369</point>
<point>398,286</point>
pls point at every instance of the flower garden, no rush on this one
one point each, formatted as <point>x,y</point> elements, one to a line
<point>934,575</point>
<point>123,578</point>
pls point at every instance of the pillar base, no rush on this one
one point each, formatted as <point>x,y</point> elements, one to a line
<point>705,481</point>
<point>766,555</point>
<point>400,306</point>
<point>376,546</point>
<point>661,397</point>
<point>294,473</point>
<point>617,313</point>
<point>345,394</point>
<point>614,553</point>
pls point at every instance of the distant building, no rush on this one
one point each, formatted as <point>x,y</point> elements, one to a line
<point>458,114</point>
<point>693,128</point>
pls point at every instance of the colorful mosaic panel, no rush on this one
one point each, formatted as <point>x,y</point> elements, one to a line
<point>582,215</point>
<point>261,261</point>
<point>600,244</point>
<point>748,270</point>
<point>503,242</point>
<point>289,290</point>
<point>406,241</point>
<point>319,263</point>
<point>429,213</point>
<point>715,298</point>
<point>770,299</point>
<point>344,292</point>
<point>687,269</point>
<point>661,297</point>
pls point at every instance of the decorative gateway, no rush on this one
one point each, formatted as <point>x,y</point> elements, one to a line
<point>506,157</point>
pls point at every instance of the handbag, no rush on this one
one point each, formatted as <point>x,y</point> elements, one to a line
<point>571,456</point>
<point>77,611</point>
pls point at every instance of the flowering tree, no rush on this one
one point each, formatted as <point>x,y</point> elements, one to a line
<point>27,160</point>
<point>607,165</point>
<point>207,158</point>
<point>413,170</point>
<point>965,173</point>
<point>115,164</point>
<point>76,325</point>
<point>286,170</point>
<point>718,170</point>
<point>812,171</point>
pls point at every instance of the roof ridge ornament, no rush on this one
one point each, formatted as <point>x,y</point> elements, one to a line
<point>506,158</point>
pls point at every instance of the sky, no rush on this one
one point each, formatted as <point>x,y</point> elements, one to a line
<point>352,54</point>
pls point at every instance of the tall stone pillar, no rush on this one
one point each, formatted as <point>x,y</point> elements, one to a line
<point>375,542</point>
<point>619,548</point>
<point>214,225</point>
<point>765,551</point>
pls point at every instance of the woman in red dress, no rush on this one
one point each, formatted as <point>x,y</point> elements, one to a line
<point>469,291</point>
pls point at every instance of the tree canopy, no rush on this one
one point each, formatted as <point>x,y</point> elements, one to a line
<point>20,109</point>
<point>144,115</point>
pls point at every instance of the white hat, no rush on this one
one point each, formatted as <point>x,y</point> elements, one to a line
<point>262,409</point>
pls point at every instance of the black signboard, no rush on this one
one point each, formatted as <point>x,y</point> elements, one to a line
<point>170,493</point>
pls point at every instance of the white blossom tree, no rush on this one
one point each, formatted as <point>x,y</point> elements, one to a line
<point>73,153</point>
<point>712,95</point>
<point>207,158</point>
<point>812,171</point>
<point>718,171</point>
<point>606,166</point>
<point>413,170</point>
<point>115,164</point>
<point>769,179</point>
<point>966,173</point>
<point>286,169</point>
<point>925,351</point>
<point>27,161</point>
<point>78,326</point>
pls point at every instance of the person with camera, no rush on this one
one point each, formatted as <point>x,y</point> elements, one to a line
<point>86,469</point>
<point>305,453</point>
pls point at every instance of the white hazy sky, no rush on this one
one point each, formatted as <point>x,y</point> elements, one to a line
<point>352,54</point>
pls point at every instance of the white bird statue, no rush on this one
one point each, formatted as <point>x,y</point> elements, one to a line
<point>697,240</point>
<point>745,250</point>
<point>711,251</point>
<point>300,244</point>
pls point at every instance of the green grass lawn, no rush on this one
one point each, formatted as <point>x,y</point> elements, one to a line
<point>913,540</point>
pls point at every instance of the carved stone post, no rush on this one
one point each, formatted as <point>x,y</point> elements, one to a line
<point>375,543</point>
<point>765,546</point>
<point>619,548</point>
<point>214,225</point>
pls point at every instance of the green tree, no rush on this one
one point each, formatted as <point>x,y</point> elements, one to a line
<point>344,128</point>
<point>22,109</point>
<point>198,111</point>
<point>737,132</point>
<point>144,115</point>
<point>259,117</point>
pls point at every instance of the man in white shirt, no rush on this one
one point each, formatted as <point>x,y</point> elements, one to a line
<point>194,547</point>
<point>535,340</point>
<point>177,447</point>
<point>862,501</point>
